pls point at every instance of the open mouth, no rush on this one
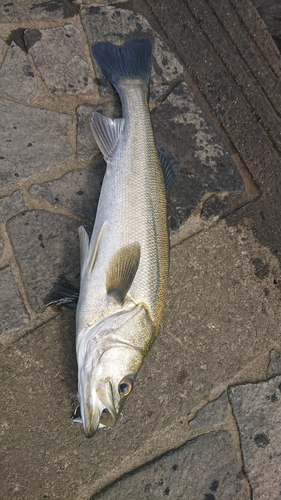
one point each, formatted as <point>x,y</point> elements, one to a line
<point>106,419</point>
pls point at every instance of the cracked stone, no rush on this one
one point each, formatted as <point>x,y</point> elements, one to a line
<point>16,75</point>
<point>28,10</point>
<point>203,466</point>
<point>120,25</point>
<point>10,206</point>
<point>25,137</point>
<point>86,144</point>
<point>212,414</point>
<point>206,165</point>
<point>50,243</point>
<point>78,190</point>
<point>257,409</point>
<point>13,314</point>
<point>59,55</point>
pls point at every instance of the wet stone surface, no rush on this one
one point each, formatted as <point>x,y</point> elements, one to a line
<point>10,205</point>
<point>192,471</point>
<point>78,190</point>
<point>25,137</point>
<point>118,26</point>
<point>60,57</point>
<point>13,314</point>
<point>86,144</point>
<point>16,75</point>
<point>16,11</point>
<point>50,243</point>
<point>257,409</point>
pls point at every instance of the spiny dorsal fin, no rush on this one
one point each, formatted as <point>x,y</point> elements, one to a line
<point>121,271</point>
<point>170,167</point>
<point>95,249</point>
<point>87,262</point>
<point>84,248</point>
<point>106,132</point>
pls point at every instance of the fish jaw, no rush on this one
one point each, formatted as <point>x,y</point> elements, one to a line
<point>109,357</point>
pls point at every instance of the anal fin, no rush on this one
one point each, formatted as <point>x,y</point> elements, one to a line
<point>106,132</point>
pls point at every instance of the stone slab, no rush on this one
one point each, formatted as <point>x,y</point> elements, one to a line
<point>86,144</point>
<point>25,137</point>
<point>46,247</point>
<point>10,205</point>
<point>206,468</point>
<point>206,165</point>
<point>13,313</point>
<point>78,190</point>
<point>17,77</point>
<point>118,26</point>
<point>27,10</point>
<point>60,57</point>
<point>257,409</point>
<point>211,414</point>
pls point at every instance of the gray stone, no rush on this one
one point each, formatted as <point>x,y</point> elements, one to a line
<point>78,190</point>
<point>13,314</point>
<point>274,366</point>
<point>213,413</point>
<point>16,75</point>
<point>206,467</point>
<point>206,165</point>
<point>120,25</point>
<point>60,57</point>
<point>86,144</point>
<point>27,10</point>
<point>257,409</point>
<point>1,247</point>
<point>46,247</point>
<point>31,141</point>
<point>10,206</point>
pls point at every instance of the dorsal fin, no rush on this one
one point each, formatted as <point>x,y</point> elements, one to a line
<point>106,132</point>
<point>121,271</point>
<point>170,167</point>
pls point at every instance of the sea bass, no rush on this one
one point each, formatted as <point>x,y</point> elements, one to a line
<point>124,266</point>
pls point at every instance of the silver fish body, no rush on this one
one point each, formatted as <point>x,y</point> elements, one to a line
<point>124,266</point>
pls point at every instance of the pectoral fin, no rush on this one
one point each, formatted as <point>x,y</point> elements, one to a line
<point>121,271</point>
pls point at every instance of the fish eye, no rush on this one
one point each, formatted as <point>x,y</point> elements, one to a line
<point>125,386</point>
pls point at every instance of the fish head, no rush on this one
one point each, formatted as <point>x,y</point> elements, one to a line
<point>108,368</point>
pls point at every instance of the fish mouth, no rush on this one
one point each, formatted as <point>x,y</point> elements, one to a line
<point>100,412</point>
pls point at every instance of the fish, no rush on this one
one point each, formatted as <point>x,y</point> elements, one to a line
<point>124,265</point>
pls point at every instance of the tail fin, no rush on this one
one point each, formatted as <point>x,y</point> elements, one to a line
<point>133,60</point>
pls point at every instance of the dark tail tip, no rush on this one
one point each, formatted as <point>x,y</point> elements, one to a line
<point>133,60</point>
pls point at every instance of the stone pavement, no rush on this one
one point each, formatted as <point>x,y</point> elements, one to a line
<point>204,420</point>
